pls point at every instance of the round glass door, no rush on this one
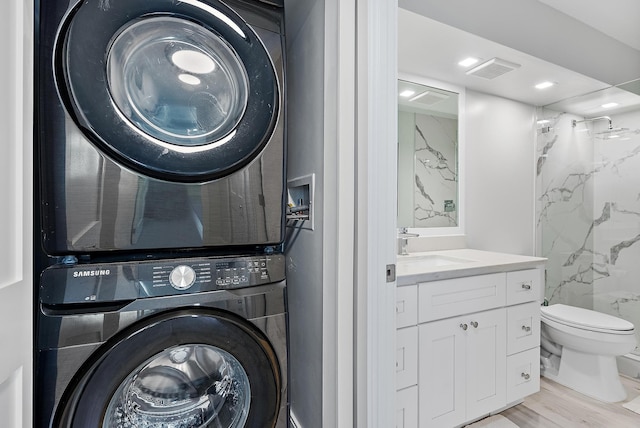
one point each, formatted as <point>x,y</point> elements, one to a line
<point>184,368</point>
<point>183,386</point>
<point>181,91</point>
<point>176,81</point>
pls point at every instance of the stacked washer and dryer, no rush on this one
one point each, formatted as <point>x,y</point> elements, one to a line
<point>160,141</point>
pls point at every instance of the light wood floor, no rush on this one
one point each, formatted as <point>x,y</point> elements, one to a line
<point>556,406</point>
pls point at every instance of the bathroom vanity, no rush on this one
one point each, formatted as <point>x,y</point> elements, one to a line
<point>468,335</point>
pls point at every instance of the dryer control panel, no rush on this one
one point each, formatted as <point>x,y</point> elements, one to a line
<point>112,282</point>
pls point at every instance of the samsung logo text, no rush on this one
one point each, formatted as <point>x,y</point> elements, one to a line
<point>97,272</point>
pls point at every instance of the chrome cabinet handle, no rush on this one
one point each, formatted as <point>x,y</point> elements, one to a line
<point>474,324</point>
<point>525,376</point>
<point>526,328</point>
<point>526,286</point>
<point>464,326</point>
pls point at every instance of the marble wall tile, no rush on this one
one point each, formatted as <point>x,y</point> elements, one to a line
<point>617,240</point>
<point>588,213</point>
<point>564,216</point>
<point>436,177</point>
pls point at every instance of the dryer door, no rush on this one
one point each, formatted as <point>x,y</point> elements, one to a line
<point>180,90</point>
<point>188,368</point>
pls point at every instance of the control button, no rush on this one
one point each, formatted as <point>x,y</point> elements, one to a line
<point>182,277</point>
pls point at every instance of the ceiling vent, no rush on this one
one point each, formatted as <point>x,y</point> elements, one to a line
<point>429,98</point>
<point>493,68</point>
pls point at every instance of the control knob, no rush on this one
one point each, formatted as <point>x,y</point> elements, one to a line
<point>182,277</point>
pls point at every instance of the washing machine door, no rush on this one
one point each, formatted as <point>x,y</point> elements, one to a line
<point>180,90</point>
<point>187,368</point>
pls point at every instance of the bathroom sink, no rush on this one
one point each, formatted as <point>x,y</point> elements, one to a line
<point>429,261</point>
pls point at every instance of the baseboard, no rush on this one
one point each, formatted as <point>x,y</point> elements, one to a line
<point>629,365</point>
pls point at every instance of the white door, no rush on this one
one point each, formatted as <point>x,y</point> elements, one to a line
<point>16,214</point>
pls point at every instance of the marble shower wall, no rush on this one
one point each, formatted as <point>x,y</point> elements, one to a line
<point>588,212</point>
<point>435,171</point>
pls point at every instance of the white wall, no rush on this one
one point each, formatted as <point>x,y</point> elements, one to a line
<point>304,247</point>
<point>500,175</point>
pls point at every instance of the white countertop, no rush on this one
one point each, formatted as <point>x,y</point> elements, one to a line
<point>446,264</point>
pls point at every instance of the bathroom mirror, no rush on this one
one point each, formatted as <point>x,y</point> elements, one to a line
<point>429,156</point>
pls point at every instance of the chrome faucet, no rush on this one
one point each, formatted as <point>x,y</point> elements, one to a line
<point>403,240</point>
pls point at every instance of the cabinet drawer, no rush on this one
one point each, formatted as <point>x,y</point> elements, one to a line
<point>447,298</point>
<point>524,286</point>
<point>407,408</point>
<point>406,306</point>
<point>523,327</point>
<point>406,357</point>
<point>523,374</point>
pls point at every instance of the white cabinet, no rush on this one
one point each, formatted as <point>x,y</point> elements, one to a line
<point>477,347</point>
<point>462,368</point>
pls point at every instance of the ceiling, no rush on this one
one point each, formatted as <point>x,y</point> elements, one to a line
<point>430,48</point>
<point>615,18</point>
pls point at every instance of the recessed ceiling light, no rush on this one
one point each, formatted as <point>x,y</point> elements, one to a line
<point>468,62</point>
<point>544,85</point>
<point>407,93</point>
<point>609,105</point>
<point>543,121</point>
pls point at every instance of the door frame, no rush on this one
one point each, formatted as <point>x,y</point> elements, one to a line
<point>16,220</point>
<point>360,142</point>
<point>376,218</point>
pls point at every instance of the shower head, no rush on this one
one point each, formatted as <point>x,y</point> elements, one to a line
<point>616,133</point>
<point>612,132</point>
<point>575,122</point>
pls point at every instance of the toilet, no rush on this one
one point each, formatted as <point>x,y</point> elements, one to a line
<point>579,350</point>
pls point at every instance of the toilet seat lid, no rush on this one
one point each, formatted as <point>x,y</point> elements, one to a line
<point>585,318</point>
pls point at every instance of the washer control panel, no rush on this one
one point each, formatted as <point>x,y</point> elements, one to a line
<point>180,275</point>
<point>242,272</point>
<point>108,282</point>
<point>213,273</point>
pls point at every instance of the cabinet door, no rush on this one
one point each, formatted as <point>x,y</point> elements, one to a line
<point>486,362</point>
<point>407,408</point>
<point>523,327</point>
<point>406,306</point>
<point>406,357</point>
<point>441,373</point>
<point>523,374</point>
<point>524,286</point>
<point>451,297</point>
